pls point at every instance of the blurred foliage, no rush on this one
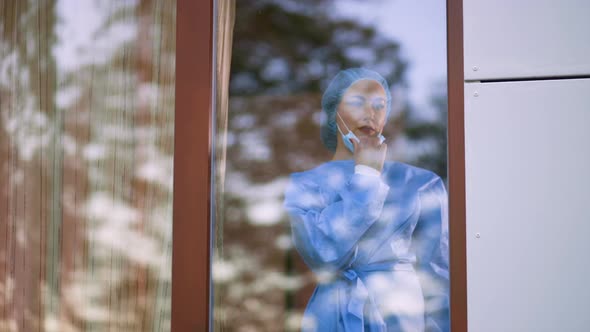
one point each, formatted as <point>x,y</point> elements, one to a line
<point>434,132</point>
<point>87,151</point>
<point>284,55</point>
<point>288,47</point>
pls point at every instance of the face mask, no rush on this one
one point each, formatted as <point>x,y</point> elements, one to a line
<point>351,136</point>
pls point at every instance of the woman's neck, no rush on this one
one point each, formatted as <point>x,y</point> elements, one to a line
<point>342,153</point>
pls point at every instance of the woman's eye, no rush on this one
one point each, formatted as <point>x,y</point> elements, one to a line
<point>378,107</point>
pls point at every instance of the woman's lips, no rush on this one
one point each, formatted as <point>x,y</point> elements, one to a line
<point>369,131</point>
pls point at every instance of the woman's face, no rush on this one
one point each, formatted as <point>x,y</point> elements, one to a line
<point>363,108</point>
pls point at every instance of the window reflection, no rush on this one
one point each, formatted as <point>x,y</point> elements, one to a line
<point>86,148</point>
<point>284,54</point>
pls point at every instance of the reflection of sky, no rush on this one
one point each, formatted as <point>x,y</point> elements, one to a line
<point>81,40</point>
<point>420,27</point>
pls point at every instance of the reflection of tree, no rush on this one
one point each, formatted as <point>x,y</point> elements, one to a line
<point>26,111</point>
<point>291,47</point>
<point>433,134</point>
<point>287,51</point>
<point>284,53</point>
<point>86,145</point>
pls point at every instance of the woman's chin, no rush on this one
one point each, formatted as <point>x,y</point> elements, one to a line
<point>367,133</point>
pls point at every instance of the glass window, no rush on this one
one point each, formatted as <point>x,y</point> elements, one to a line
<point>331,166</point>
<point>86,156</point>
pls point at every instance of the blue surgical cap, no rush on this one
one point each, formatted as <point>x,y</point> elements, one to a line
<point>333,94</point>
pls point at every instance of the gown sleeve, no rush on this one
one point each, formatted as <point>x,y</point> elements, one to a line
<point>325,231</point>
<point>430,242</point>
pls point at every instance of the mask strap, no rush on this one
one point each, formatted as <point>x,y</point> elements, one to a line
<point>344,123</point>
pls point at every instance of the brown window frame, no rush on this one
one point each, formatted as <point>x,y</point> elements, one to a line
<point>192,166</point>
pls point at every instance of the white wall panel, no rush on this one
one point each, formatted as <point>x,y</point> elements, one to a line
<point>528,196</point>
<point>526,38</point>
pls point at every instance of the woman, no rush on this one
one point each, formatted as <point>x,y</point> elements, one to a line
<point>374,232</point>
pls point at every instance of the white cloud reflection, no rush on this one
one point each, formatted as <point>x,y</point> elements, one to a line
<point>28,127</point>
<point>94,151</point>
<point>265,212</point>
<point>115,230</point>
<point>253,146</point>
<point>223,271</point>
<point>84,39</point>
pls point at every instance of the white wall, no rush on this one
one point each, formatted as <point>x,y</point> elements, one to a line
<point>526,38</point>
<point>527,150</point>
<point>528,196</point>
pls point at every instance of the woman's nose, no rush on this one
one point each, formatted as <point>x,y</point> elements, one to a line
<point>369,111</point>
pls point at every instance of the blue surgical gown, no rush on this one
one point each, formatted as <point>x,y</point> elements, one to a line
<point>377,244</point>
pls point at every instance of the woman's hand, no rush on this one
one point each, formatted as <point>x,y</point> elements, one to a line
<point>369,152</point>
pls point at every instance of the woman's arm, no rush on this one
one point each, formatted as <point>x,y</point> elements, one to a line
<point>326,233</point>
<point>430,242</point>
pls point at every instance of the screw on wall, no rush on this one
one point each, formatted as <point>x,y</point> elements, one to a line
<point>477,235</point>
<point>475,68</point>
<point>476,94</point>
